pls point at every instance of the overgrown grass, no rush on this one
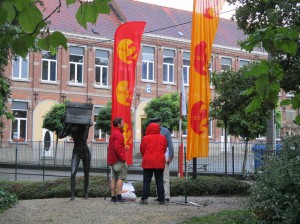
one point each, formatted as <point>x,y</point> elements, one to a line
<point>225,217</point>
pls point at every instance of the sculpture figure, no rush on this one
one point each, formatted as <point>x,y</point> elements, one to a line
<point>79,133</point>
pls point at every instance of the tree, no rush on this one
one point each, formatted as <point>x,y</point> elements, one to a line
<point>229,108</point>
<point>24,28</point>
<point>167,108</point>
<point>273,25</point>
<point>54,120</point>
<point>103,121</point>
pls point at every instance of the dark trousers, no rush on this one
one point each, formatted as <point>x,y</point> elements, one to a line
<point>159,180</point>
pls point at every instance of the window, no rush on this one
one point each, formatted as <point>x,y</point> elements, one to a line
<point>101,68</point>
<point>168,66</point>
<point>76,65</point>
<point>186,68</point>
<point>19,126</point>
<point>244,63</point>
<point>210,128</point>
<point>210,70</point>
<point>99,135</point>
<point>148,63</point>
<point>20,68</point>
<point>49,63</point>
<point>226,64</point>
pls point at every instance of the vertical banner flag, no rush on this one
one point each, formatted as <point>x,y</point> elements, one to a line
<point>204,27</point>
<point>127,45</point>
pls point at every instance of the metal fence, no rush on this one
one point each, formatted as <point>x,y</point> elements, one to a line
<point>58,155</point>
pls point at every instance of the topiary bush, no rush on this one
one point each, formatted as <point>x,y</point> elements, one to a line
<point>275,197</point>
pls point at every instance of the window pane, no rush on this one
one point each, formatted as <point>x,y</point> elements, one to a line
<point>144,70</point>
<point>24,69</point>
<point>45,70</point>
<point>171,73</point>
<point>79,73</point>
<point>53,71</point>
<point>105,76</point>
<point>76,58</point>
<point>72,72</point>
<point>16,67</point>
<point>151,71</point>
<point>23,129</point>
<point>165,73</point>
<point>97,75</point>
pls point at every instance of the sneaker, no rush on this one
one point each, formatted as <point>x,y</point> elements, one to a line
<point>144,202</point>
<point>122,201</point>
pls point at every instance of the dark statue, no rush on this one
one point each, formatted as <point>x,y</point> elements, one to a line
<point>79,132</point>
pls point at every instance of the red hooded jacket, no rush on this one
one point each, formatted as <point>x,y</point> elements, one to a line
<point>116,147</point>
<point>153,148</point>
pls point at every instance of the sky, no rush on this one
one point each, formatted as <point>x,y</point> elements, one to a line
<point>188,5</point>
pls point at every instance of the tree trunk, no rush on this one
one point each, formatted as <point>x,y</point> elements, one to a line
<point>245,157</point>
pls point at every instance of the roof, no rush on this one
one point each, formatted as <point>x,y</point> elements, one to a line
<point>163,22</point>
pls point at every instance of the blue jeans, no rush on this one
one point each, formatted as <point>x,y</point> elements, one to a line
<point>159,180</point>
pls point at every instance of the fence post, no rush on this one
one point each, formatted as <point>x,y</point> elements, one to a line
<point>16,162</point>
<point>232,148</point>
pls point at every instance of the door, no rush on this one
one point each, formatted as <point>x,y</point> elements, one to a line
<point>47,146</point>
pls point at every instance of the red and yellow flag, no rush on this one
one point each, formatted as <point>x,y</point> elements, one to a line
<point>204,27</point>
<point>126,50</point>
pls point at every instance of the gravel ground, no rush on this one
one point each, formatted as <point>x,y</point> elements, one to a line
<point>99,210</point>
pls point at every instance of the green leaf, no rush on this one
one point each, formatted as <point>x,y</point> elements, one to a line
<point>297,120</point>
<point>7,11</point>
<point>21,4</point>
<point>102,6</point>
<point>86,13</point>
<point>257,70</point>
<point>248,91</point>
<point>285,102</point>
<point>22,45</point>
<point>30,18</point>
<point>70,2</point>
<point>262,85</point>
<point>58,39</point>
<point>254,105</point>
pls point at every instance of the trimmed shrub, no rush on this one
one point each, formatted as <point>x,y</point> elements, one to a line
<point>7,200</point>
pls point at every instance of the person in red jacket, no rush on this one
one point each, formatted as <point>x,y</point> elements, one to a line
<point>153,148</point>
<point>116,159</point>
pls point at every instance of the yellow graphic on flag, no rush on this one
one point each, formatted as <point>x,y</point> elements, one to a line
<point>122,93</point>
<point>204,27</point>
<point>127,51</point>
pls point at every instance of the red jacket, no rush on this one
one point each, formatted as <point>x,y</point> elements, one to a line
<point>153,148</point>
<point>116,147</point>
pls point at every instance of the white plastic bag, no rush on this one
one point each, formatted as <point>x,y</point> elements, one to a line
<point>128,192</point>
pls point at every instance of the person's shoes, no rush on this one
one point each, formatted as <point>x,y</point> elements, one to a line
<point>122,201</point>
<point>167,200</point>
<point>114,200</point>
<point>162,203</point>
<point>144,202</point>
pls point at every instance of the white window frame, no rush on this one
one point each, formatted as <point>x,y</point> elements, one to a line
<point>76,65</point>
<point>101,69</point>
<point>186,68</point>
<point>17,137</point>
<point>167,66</point>
<point>20,61</point>
<point>226,64</point>
<point>49,61</point>
<point>244,62</point>
<point>148,63</point>
<point>98,131</point>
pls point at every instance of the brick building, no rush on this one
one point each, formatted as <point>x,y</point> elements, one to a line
<point>83,73</point>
